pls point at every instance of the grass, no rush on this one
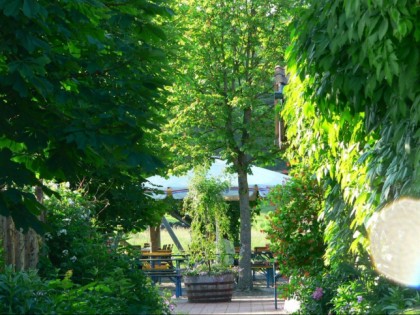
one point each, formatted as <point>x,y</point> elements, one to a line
<point>258,238</point>
<point>183,235</point>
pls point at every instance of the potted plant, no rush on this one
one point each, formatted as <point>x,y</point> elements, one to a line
<point>210,276</point>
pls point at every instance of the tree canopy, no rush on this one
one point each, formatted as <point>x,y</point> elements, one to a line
<point>78,87</point>
<point>222,102</point>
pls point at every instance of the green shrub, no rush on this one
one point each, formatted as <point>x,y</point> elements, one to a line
<point>118,293</point>
<point>351,298</point>
<point>86,274</point>
<point>205,205</point>
<point>23,293</point>
<point>73,242</point>
<point>399,300</point>
<point>346,289</point>
<point>315,292</point>
<point>294,231</point>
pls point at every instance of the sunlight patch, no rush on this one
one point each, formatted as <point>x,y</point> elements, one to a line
<point>395,241</point>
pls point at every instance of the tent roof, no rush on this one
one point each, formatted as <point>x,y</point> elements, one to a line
<point>263,178</point>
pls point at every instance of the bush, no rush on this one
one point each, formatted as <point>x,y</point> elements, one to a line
<point>351,298</point>
<point>24,293</point>
<point>346,289</point>
<point>315,292</point>
<point>73,242</point>
<point>398,300</point>
<point>118,293</point>
<point>86,275</point>
<point>294,231</point>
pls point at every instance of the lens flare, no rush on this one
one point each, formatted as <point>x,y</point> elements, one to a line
<point>395,241</point>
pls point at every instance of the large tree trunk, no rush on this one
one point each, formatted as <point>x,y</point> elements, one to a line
<point>245,277</point>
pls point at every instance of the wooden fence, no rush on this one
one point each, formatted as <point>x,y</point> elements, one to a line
<point>20,250</point>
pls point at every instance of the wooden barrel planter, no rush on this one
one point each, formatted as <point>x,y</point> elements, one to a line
<point>209,289</point>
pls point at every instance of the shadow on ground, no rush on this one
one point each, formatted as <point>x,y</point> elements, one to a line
<point>260,300</point>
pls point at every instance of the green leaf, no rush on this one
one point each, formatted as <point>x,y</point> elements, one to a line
<point>395,15</point>
<point>12,7</point>
<point>361,24</point>
<point>30,8</point>
<point>49,42</point>
<point>383,28</point>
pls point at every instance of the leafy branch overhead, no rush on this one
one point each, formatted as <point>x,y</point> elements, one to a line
<point>78,86</point>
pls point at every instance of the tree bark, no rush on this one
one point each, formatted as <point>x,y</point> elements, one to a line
<point>245,277</point>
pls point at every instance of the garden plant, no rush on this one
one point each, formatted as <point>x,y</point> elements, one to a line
<point>96,94</point>
<point>80,273</point>
<point>352,119</point>
<point>205,205</point>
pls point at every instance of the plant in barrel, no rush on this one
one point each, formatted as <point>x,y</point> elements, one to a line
<point>210,264</point>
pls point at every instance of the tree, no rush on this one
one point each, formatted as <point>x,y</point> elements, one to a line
<point>79,82</point>
<point>222,101</point>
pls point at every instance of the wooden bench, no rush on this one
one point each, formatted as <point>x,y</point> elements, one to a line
<point>158,268</point>
<point>266,268</point>
<point>173,274</point>
<point>262,260</point>
<point>159,257</point>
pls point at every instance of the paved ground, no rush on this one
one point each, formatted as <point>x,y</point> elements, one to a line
<point>252,304</point>
<point>259,301</point>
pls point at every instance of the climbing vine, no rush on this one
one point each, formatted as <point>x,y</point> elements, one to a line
<point>352,116</point>
<point>354,107</point>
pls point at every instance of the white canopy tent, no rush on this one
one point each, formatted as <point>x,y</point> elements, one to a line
<point>261,179</point>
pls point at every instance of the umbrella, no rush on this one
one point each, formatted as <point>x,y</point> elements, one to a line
<point>261,179</point>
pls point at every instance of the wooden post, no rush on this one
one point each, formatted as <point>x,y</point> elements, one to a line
<point>155,238</point>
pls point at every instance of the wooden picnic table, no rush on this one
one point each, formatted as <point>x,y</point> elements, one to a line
<point>156,254</point>
<point>263,259</point>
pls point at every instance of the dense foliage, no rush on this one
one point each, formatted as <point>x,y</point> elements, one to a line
<point>78,87</point>
<point>353,116</point>
<point>72,243</point>
<point>82,270</point>
<point>294,230</point>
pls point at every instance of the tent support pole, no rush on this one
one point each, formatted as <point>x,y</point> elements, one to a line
<point>172,234</point>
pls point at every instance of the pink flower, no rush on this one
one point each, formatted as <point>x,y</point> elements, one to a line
<point>317,295</point>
